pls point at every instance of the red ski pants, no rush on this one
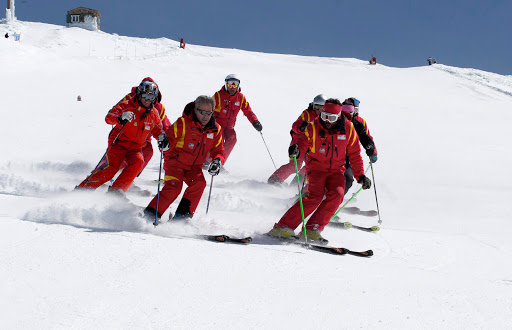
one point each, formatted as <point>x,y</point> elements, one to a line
<point>109,166</point>
<point>332,185</point>
<point>147,153</point>
<point>174,178</point>
<point>286,170</point>
<point>229,136</point>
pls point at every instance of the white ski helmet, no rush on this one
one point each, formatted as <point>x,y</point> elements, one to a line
<point>319,99</point>
<point>232,77</point>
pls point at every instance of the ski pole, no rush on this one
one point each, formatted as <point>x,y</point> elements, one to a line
<point>353,195</point>
<point>209,195</point>
<point>300,199</point>
<point>106,151</point>
<point>155,223</point>
<point>341,208</point>
<point>269,151</point>
<point>375,190</point>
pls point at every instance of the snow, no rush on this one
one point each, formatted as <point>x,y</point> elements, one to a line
<point>84,260</point>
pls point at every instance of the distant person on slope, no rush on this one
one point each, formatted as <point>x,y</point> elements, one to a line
<point>330,138</point>
<point>134,120</point>
<point>228,102</point>
<point>350,109</point>
<point>298,127</point>
<point>193,137</point>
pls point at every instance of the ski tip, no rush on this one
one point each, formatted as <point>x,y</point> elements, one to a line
<point>375,228</point>
<point>347,225</point>
<point>367,253</point>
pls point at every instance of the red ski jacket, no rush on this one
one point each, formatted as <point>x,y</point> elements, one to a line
<point>328,149</point>
<point>227,107</point>
<point>136,132</point>
<point>190,143</point>
<point>307,115</point>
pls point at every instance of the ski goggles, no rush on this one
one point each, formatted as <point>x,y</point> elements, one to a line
<point>232,84</point>
<point>205,112</point>
<point>148,96</point>
<point>356,102</point>
<point>330,117</point>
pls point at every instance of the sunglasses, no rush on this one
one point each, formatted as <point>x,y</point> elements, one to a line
<point>232,84</point>
<point>149,96</point>
<point>318,106</point>
<point>205,112</point>
<point>330,117</point>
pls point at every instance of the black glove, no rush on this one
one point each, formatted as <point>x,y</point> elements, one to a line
<point>364,181</point>
<point>163,142</point>
<point>214,167</point>
<point>293,151</point>
<point>370,149</point>
<point>303,126</point>
<point>257,125</point>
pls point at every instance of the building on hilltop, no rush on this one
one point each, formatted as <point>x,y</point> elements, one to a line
<point>84,18</point>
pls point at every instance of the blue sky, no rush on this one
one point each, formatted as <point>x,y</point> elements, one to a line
<point>401,33</point>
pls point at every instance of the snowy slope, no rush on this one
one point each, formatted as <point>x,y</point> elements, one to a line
<point>82,260</point>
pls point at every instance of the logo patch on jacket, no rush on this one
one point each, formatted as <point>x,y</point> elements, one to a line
<point>237,103</point>
<point>191,146</point>
<point>135,124</point>
<point>322,150</point>
<point>224,110</point>
<point>342,137</point>
<point>209,136</point>
<point>147,127</point>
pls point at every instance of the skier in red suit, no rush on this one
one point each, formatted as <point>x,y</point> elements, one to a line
<point>193,136</point>
<point>134,120</point>
<point>298,127</point>
<point>330,139</point>
<point>350,109</point>
<point>147,150</point>
<point>228,102</point>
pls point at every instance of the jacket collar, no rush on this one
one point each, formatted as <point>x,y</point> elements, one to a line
<point>190,113</point>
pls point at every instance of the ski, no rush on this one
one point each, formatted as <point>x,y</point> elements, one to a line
<point>216,238</point>
<point>226,238</point>
<point>348,225</point>
<point>295,240</point>
<point>356,210</point>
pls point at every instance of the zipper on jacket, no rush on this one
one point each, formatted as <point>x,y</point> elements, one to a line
<point>202,139</point>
